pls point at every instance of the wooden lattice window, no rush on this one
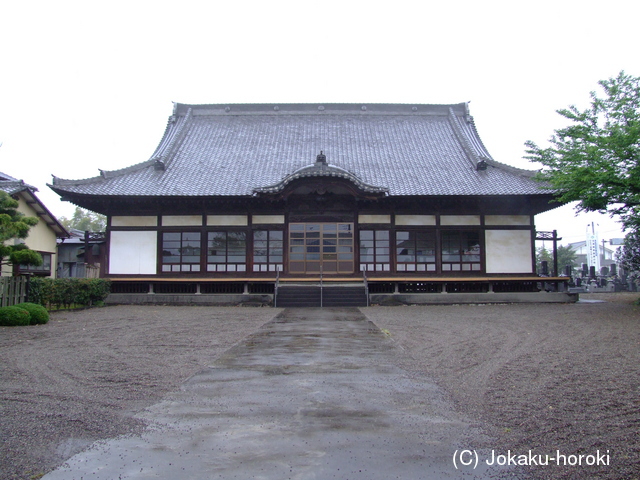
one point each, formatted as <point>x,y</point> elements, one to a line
<point>415,251</point>
<point>181,252</point>
<point>44,269</point>
<point>375,251</point>
<point>461,251</point>
<point>226,251</point>
<point>267,250</point>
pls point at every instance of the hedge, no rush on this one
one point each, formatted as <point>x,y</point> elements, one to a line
<point>67,292</point>
<point>13,316</point>
<point>38,313</point>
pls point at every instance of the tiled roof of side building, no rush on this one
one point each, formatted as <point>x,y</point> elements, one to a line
<point>7,178</point>
<point>233,150</point>
<point>13,185</point>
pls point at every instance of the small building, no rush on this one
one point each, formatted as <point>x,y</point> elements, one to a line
<point>42,237</point>
<point>81,255</point>
<point>241,199</point>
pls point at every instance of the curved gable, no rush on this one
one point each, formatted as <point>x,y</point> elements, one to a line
<point>321,178</point>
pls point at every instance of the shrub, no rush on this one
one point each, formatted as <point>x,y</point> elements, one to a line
<point>98,289</point>
<point>65,292</point>
<point>36,290</point>
<point>14,316</point>
<point>39,314</point>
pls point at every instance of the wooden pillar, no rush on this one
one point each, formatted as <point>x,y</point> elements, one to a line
<point>555,253</point>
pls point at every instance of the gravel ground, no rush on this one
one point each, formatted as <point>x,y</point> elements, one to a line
<point>82,376</point>
<point>543,377</point>
<point>540,377</point>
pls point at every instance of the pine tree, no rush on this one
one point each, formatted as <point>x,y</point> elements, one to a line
<point>15,225</point>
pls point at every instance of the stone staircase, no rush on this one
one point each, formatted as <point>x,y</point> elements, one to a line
<point>312,295</point>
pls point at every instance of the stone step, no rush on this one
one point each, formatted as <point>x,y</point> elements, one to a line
<point>314,296</point>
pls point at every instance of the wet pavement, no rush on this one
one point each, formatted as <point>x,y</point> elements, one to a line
<point>315,394</point>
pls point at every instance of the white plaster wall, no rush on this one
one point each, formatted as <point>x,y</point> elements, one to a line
<point>181,220</point>
<point>415,219</point>
<point>228,220</point>
<point>507,220</point>
<point>272,219</point>
<point>508,251</point>
<point>374,218</point>
<point>134,221</point>
<point>460,220</point>
<point>133,253</point>
<point>41,238</point>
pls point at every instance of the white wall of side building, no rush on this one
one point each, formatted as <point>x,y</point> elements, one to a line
<point>41,238</point>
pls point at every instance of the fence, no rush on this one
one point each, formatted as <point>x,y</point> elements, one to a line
<point>78,270</point>
<point>13,290</point>
<point>92,271</point>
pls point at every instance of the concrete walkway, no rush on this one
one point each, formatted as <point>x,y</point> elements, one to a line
<point>315,394</point>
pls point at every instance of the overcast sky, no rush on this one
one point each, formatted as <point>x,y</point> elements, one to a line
<point>89,85</point>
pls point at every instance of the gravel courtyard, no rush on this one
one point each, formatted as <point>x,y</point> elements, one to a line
<point>541,378</point>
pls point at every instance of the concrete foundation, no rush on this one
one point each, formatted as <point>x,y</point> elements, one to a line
<point>456,298</point>
<point>193,299</point>
<point>374,299</point>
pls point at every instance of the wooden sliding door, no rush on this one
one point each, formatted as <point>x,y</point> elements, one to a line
<point>316,247</point>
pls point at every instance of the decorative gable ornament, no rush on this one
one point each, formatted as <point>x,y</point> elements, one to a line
<point>321,170</point>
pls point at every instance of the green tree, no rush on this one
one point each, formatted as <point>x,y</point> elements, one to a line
<point>542,254</point>
<point>629,255</point>
<point>15,225</point>
<point>596,159</point>
<point>85,220</point>
<point>566,256</point>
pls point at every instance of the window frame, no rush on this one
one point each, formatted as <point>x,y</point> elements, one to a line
<point>321,247</point>
<point>229,266</point>
<point>181,264</point>
<point>271,263</point>
<point>381,255</point>
<point>38,270</point>
<point>469,262</point>
<point>415,265</point>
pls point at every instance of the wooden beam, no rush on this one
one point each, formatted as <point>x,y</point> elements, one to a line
<point>343,279</point>
<point>189,280</point>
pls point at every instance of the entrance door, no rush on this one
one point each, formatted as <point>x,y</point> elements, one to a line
<point>316,247</point>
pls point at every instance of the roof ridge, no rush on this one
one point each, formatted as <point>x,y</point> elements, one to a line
<point>319,108</point>
<point>178,137</point>
<point>17,183</point>
<point>518,171</point>
<point>170,122</point>
<point>471,121</point>
<point>475,157</point>
<point>104,174</point>
<point>464,142</point>
<point>7,178</point>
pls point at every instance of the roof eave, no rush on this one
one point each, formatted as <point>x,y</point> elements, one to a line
<point>44,213</point>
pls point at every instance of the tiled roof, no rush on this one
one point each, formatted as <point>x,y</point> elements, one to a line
<point>230,150</point>
<point>7,178</point>
<point>13,187</point>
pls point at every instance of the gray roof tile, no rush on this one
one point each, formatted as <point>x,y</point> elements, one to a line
<point>224,150</point>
